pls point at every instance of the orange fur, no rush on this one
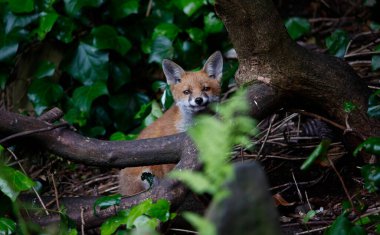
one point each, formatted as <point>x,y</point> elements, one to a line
<point>192,92</point>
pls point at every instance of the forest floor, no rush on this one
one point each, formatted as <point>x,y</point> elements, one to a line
<point>287,138</point>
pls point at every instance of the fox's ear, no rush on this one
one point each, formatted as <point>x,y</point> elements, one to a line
<point>214,65</point>
<point>173,72</point>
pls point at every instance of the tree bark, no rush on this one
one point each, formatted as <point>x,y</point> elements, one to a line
<point>268,56</point>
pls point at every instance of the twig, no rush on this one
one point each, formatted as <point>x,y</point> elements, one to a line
<point>82,219</point>
<point>149,8</point>
<point>266,136</point>
<point>34,190</point>
<point>342,182</point>
<point>24,133</point>
<point>321,118</point>
<point>298,190</point>
<point>55,191</point>
<point>312,231</point>
<point>183,230</point>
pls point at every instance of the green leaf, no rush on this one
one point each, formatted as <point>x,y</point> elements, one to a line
<point>73,7</point>
<point>167,98</point>
<point>189,7</point>
<point>84,96</point>
<point>74,116</point>
<point>120,74</point>
<point>374,26</point>
<point>66,226</point>
<point>166,29</point>
<point>203,226</point>
<point>319,151</point>
<point>47,22</point>
<point>212,23</point>
<point>196,181</point>
<point>337,43</point>
<point>162,48</point>
<point>159,86</point>
<point>155,113</point>
<point>65,27</point>
<point>309,215</point>
<point>12,182</point>
<point>137,211</point>
<point>106,37</point>
<point>297,27</point>
<point>343,226</point>
<point>44,69</point>
<point>7,226</point>
<point>113,223</point>
<point>197,35</point>
<point>8,48</point>
<point>43,93</point>
<point>348,107</point>
<point>146,225</point>
<point>371,175</point>
<point>374,105</point>
<point>16,23</point>
<point>3,79</point>
<point>21,6</point>
<point>370,145</point>
<point>375,61</point>
<point>89,64</point>
<point>118,136</point>
<point>107,201</point>
<point>160,210</point>
<point>123,8</point>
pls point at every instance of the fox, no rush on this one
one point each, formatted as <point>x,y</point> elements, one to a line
<point>192,92</point>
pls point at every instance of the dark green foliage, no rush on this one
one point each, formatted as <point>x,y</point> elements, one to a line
<point>319,152</point>
<point>337,43</point>
<point>371,175</point>
<point>111,53</point>
<point>107,201</point>
<point>374,105</point>
<point>343,226</point>
<point>297,27</point>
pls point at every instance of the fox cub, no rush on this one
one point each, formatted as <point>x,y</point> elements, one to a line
<point>192,92</point>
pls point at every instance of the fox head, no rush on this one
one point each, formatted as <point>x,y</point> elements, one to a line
<point>193,91</point>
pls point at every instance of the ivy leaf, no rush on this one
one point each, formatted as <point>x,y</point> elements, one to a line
<point>371,175</point>
<point>162,48</point>
<point>123,8</point>
<point>89,65</point>
<point>12,182</point>
<point>154,114</point>
<point>370,145</point>
<point>106,37</point>
<point>3,80</point>
<point>110,225</point>
<point>74,116</point>
<point>337,43</point>
<point>212,23</point>
<point>319,151</point>
<point>47,22</point>
<point>297,27</point>
<point>7,226</point>
<point>118,136</point>
<point>120,74</point>
<point>167,98</point>
<point>107,201</point>
<point>166,29</point>
<point>375,61</point>
<point>196,34</point>
<point>73,7</point>
<point>64,29</point>
<point>159,86</point>
<point>21,6</point>
<point>8,47</point>
<point>349,106</point>
<point>160,210</point>
<point>43,93</point>
<point>343,226</point>
<point>84,96</point>
<point>44,69</point>
<point>16,22</point>
<point>189,7</point>
<point>374,105</point>
<point>137,211</point>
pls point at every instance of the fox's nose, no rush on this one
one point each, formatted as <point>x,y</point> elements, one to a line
<point>199,100</point>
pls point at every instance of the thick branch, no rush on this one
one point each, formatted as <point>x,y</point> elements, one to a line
<point>70,145</point>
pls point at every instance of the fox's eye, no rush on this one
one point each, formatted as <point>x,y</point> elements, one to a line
<point>186,92</point>
<point>206,88</point>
